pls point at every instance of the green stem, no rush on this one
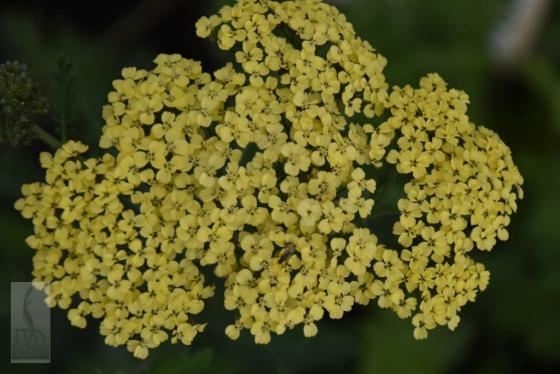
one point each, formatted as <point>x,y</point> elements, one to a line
<point>63,131</point>
<point>47,138</point>
<point>62,120</point>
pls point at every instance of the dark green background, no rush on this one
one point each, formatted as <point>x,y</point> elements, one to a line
<point>514,326</point>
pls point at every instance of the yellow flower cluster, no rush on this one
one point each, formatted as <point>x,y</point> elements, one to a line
<point>263,171</point>
<point>299,195</point>
<point>462,190</point>
<point>108,230</point>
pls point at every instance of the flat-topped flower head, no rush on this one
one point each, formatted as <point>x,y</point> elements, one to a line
<point>263,172</point>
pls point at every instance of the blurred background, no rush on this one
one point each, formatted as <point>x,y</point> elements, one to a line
<point>504,53</point>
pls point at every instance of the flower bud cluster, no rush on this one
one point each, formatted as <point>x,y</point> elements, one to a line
<point>21,104</point>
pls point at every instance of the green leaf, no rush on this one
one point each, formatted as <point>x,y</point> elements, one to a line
<point>64,101</point>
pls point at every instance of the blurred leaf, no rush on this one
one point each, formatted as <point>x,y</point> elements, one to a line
<point>389,347</point>
<point>184,362</point>
<point>544,77</point>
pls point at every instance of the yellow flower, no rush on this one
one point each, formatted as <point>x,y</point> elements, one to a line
<point>333,218</point>
<point>281,212</point>
<point>310,212</point>
<point>257,171</point>
<point>297,158</point>
<point>361,251</point>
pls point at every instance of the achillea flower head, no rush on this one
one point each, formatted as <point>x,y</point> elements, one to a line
<point>21,104</point>
<point>263,171</point>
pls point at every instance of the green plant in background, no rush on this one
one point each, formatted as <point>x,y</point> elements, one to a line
<point>267,170</point>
